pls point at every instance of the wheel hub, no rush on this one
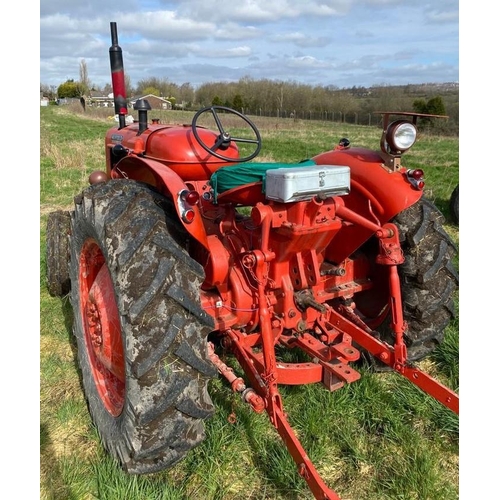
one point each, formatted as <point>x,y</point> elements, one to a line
<point>101,321</point>
<point>94,325</point>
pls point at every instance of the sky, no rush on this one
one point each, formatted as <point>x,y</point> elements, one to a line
<point>343,43</point>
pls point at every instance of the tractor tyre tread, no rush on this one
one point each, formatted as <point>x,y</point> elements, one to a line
<point>57,244</point>
<point>164,328</point>
<point>428,277</point>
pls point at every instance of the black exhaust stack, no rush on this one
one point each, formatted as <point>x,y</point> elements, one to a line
<point>117,77</point>
<point>142,106</point>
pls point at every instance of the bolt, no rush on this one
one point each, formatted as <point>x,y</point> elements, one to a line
<point>301,325</point>
<point>248,261</point>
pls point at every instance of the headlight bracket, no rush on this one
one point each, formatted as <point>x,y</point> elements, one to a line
<point>392,159</point>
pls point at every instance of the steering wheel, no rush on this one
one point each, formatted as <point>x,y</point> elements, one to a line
<point>224,138</point>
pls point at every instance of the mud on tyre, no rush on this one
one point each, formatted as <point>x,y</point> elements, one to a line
<point>57,243</point>
<point>428,282</point>
<point>140,329</point>
<point>428,277</point>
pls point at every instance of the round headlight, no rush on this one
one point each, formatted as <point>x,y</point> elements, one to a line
<point>401,135</point>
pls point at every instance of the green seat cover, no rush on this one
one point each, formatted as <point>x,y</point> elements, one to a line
<point>245,173</point>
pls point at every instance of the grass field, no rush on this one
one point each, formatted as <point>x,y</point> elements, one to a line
<point>379,438</point>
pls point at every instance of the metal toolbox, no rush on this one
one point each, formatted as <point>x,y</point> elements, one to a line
<point>303,183</point>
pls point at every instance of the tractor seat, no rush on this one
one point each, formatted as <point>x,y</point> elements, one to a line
<point>245,183</point>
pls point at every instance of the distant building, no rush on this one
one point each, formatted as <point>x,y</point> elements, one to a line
<point>99,100</point>
<point>154,101</point>
<point>67,100</point>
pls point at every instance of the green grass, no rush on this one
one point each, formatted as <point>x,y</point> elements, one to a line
<point>379,438</point>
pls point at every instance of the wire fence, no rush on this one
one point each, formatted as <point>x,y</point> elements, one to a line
<point>448,127</point>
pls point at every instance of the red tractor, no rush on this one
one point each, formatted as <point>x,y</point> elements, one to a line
<point>182,249</point>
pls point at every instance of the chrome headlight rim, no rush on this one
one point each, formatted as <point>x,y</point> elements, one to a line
<point>401,136</point>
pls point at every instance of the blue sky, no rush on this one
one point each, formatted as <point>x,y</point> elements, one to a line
<point>319,42</point>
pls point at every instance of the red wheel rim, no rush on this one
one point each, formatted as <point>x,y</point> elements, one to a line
<point>102,329</point>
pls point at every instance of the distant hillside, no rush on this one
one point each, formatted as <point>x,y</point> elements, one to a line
<point>352,105</point>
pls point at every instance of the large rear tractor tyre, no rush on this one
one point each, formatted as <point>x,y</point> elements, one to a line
<point>57,253</point>
<point>428,282</point>
<point>140,329</point>
<point>428,277</point>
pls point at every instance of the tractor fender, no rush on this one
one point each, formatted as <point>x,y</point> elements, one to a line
<point>388,192</point>
<point>376,193</point>
<point>165,181</point>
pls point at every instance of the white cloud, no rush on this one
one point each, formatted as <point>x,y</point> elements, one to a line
<point>222,54</point>
<point>175,39</point>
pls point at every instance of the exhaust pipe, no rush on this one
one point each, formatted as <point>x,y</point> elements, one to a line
<point>117,77</point>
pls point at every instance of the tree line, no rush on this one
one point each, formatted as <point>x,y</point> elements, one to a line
<point>267,97</point>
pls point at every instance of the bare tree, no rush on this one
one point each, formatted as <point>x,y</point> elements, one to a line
<point>281,96</point>
<point>186,94</point>
<point>84,77</point>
